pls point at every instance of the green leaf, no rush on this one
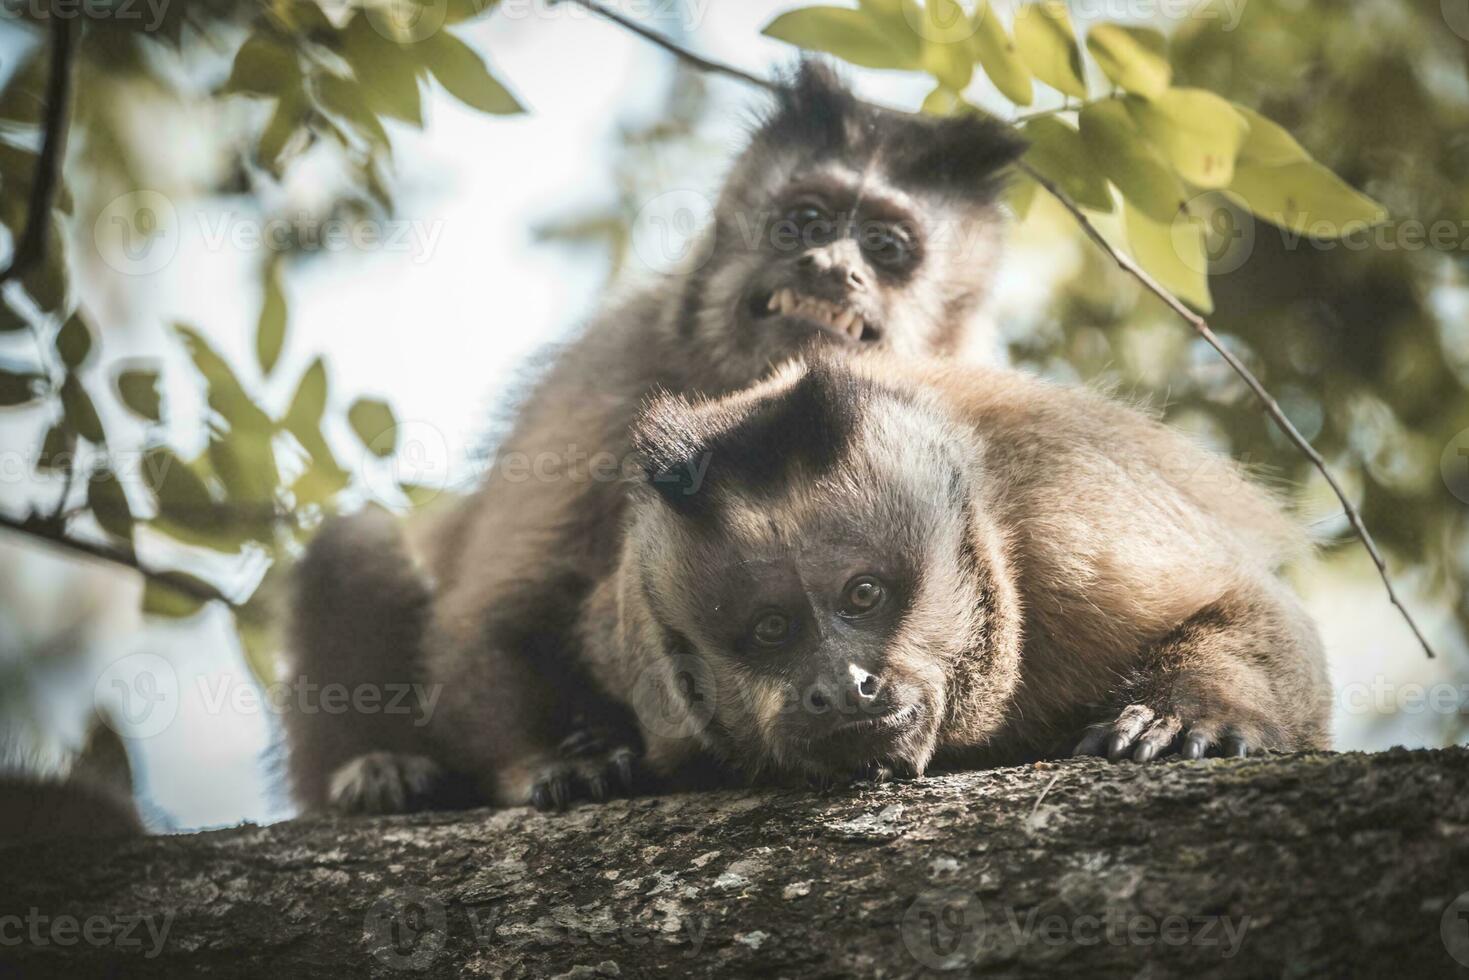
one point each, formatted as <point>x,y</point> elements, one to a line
<point>1198,133</point>
<point>168,602</point>
<point>343,99</point>
<point>463,74</point>
<point>1172,252</point>
<point>309,402</point>
<point>1268,143</point>
<point>285,122</point>
<point>263,66</point>
<point>854,36</point>
<point>998,55</point>
<point>74,341</point>
<point>387,75</point>
<point>270,330</point>
<point>58,449</point>
<point>375,425</point>
<point>81,414</point>
<point>947,53</point>
<point>1047,42</point>
<point>109,503</point>
<point>182,495</point>
<point>1058,152</point>
<point>1129,161</point>
<point>19,387</point>
<point>138,390</point>
<point>225,393</point>
<point>11,321</point>
<point>1134,58</point>
<point>942,101</point>
<point>1305,198</point>
<point>257,639</point>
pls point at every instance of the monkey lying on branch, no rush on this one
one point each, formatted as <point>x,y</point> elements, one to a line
<point>889,563</point>
<point>845,570</point>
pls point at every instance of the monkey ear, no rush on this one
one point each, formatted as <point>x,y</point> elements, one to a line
<point>671,444</point>
<point>814,107</point>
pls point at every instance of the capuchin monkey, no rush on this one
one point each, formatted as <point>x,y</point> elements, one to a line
<point>842,226</point>
<point>893,564</point>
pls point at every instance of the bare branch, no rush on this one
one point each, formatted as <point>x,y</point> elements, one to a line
<point>54,533</point>
<point>1199,324</point>
<point>30,246</point>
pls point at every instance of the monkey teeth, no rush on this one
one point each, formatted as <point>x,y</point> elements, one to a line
<point>846,321</point>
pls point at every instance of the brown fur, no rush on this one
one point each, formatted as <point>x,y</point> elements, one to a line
<point>1086,574</point>
<point>512,567</point>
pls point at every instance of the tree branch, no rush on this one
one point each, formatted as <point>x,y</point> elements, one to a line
<point>1199,324</point>
<point>30,247</point>
<point>55,534</point>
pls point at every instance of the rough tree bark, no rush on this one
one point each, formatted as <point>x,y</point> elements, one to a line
<point>1303,865</point>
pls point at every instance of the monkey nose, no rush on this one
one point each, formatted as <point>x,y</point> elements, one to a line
<point>831,697</point>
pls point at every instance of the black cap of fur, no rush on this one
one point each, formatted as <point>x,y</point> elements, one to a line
<point>753,443</point>
<point>816,111</point>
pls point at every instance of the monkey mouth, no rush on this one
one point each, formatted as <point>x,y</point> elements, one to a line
<point>841,321</point>
<point>891,724</point>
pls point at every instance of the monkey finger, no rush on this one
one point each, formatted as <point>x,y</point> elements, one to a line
<point>1125,730</point>
<point>1200,739</point>
<point>1235,747</point>
<point>1094,741</point>
<point>1156,741</point>
<point>621,765</point>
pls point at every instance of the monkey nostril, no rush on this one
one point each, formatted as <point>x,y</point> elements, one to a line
<point>806,261</point>
<point>868,687</point>
<point>856,279</point>
<point>816,700</point>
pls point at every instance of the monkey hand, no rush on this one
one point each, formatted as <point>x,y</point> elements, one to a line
<point>586,767</point>
<point>1191,727</point>
<point>384,782</point>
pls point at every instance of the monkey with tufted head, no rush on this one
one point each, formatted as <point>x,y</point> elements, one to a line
<point>842,226</point>
<point>888,564</point>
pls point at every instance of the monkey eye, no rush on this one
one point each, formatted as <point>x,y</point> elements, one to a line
<point>771,629</point>
<point>862,595</point>
<point>887,245</point>
<point>814,223</point>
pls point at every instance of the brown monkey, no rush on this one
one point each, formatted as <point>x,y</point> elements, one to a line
<point>892,563</point>
<point>841,225</point>
<point>94,798</point>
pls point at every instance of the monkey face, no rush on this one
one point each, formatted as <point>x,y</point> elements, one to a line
<point>814,545</point>
<point>852,227</point>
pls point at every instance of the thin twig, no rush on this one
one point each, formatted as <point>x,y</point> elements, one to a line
<point>1040,799</point>
<point>1199,324</point>
<point>1272,407</point>
<point>44,530</point>
<point>30,247</point>
<point>672,46</point>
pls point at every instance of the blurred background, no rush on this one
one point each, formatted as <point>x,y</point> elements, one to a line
<point>302,252</point>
